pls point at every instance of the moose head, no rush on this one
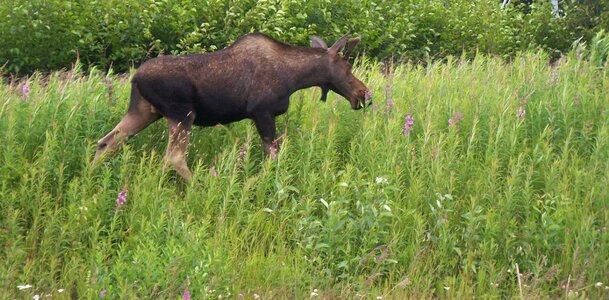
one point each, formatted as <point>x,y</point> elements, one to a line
<point>341,80</point>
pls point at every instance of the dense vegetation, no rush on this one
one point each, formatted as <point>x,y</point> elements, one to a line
<point>469,178</point>
<point>51,34</point>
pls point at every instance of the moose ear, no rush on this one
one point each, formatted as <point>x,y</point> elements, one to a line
<point>338,45</point>
<point>350,46</point>
<point>317,42</point>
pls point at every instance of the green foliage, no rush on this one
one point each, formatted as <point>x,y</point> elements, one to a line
<point>587,17</point>
<point>596,51</point>
<point>491,205</point>
<point>52,34</point>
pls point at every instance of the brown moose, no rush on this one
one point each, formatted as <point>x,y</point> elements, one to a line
<point>253,78</point>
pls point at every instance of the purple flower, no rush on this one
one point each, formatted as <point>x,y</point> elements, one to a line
<point>102,294</point>
<point>455,119</point>
<point>121,199</point>
<point>241,156</point>
<point>389,102</point>
<point>242,152</point>
<point>408,124</point>
<point>214,171</point>
<point>375,107</point>
<point>186,295</point>
<point>25,89</point>
<point>273,152</point>
<point>275,145</point>
<point>521,112</point>
<point>367,96</point>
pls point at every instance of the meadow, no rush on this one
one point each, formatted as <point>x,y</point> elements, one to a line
<point>467,178</point>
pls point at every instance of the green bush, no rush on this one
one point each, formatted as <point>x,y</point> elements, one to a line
<point>52,34</point>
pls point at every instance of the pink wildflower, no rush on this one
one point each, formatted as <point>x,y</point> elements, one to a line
<point>408,125</point>
<point>25,90</point>
<point>367,96</point>
<point>375,107</point>
<point>273,152</point>
<point>275,145</point>
<point>521,112</point>
<point>121,199</point>
<point>186,295</point>
<point>241,156</point>
<point>242,152</point>
<point>455,119</point>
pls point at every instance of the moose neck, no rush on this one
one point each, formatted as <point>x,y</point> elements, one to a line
<point>306,68</point>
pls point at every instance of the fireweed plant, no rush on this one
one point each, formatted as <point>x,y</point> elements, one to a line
<point>510,205</point>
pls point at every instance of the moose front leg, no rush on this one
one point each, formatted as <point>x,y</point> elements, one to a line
<point>265,124</point>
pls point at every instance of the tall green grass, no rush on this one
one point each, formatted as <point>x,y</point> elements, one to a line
<point>510,201</point>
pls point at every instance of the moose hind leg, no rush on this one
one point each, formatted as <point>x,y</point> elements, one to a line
<point>133,122</point>
<point>178,143</point>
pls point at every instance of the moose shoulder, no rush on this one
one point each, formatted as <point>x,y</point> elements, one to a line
<point>253,78</point>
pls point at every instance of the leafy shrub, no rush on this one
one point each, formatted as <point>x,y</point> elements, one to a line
<point>597,51</point>
<point>48,35</point>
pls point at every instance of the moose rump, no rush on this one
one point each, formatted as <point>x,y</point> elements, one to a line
<point>253,78</point>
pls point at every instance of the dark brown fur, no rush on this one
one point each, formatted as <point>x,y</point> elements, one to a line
<point>253,78</point>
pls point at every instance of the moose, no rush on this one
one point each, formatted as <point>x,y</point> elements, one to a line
<point>251,79</point>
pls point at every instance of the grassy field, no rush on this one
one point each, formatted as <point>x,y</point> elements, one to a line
<point>466,179</point>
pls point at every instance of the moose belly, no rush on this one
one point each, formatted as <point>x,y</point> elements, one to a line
<point>207,119</point>
<point>211,110</point>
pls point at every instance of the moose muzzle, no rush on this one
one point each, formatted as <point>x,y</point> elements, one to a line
<point>363,99</point>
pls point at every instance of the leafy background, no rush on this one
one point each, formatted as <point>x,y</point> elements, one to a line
<point>52,34</point>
